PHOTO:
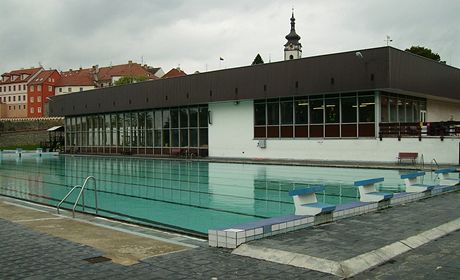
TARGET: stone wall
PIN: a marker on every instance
(23, 133)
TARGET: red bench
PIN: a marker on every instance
(407, 156)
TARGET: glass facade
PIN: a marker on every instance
(401, 108)
(166, 131)
(346, 115)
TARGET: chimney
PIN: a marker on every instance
(130, 62)
(96, 69)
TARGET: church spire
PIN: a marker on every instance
(293, 48)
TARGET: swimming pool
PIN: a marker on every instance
(191, 196)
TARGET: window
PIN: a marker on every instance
(287, 111)
(60, 89)
(1, 89)
(349, 112)
(332, 112)
(14, 98)
(39, 88)
(14, 88)
(316, 111)
(31, 110)
(24, 87)
(69, 89)
(39, 99)
(39, 109)
(50, 88)
(366, 109)
(273, 112)
(9, 98)
(81, 89)
(273, 118)
(31, 99)
(259, 113)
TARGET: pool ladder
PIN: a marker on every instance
(80, 194)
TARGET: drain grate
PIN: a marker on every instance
(97, 259)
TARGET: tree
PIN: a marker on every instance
(129, 80)
(258, 60)
(425, 52)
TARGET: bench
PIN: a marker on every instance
(368, 192)
(445, 179)
(411, 182)
(306, 203)
(407, 156)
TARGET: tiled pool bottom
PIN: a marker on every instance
(239, 234)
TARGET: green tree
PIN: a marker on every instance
(425, 52)
(258, 60)
(129, 80)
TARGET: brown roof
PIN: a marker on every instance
(42, 77)
(30, 72)
(81, 77)
(175, 72)
(130, 69)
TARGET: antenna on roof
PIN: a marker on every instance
(388, 40)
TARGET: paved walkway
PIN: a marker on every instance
(30, 254)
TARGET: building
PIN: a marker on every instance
(107, 76)
(156, 71)
(292, 48)
(40, 89)
(98, 77)
(328, 107)
(13, 92)
(174, 72)
(75, 81)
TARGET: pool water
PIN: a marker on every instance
(191, 196)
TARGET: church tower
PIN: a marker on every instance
(292, 49)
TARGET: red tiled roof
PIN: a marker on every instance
(175, 72)
(30, 72)
(130, 69)
(81, 77)
(42, 77)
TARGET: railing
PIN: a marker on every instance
(80, 195)
(428, 129)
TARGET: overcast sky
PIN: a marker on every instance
(65, 34)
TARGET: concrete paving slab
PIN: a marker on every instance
(121, 247)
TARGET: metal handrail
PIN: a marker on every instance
(80, 194)
(431, 164)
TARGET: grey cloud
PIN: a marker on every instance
(70, 33)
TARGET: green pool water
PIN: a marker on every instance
(191, 196)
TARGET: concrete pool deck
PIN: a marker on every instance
(31, 254)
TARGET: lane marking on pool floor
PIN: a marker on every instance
(354, 265)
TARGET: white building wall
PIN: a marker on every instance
(231, 135)
(442, 111)
(71, 89)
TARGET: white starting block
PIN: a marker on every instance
(368, 192)
(306, 203)
(445, 179)
(411, 182)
